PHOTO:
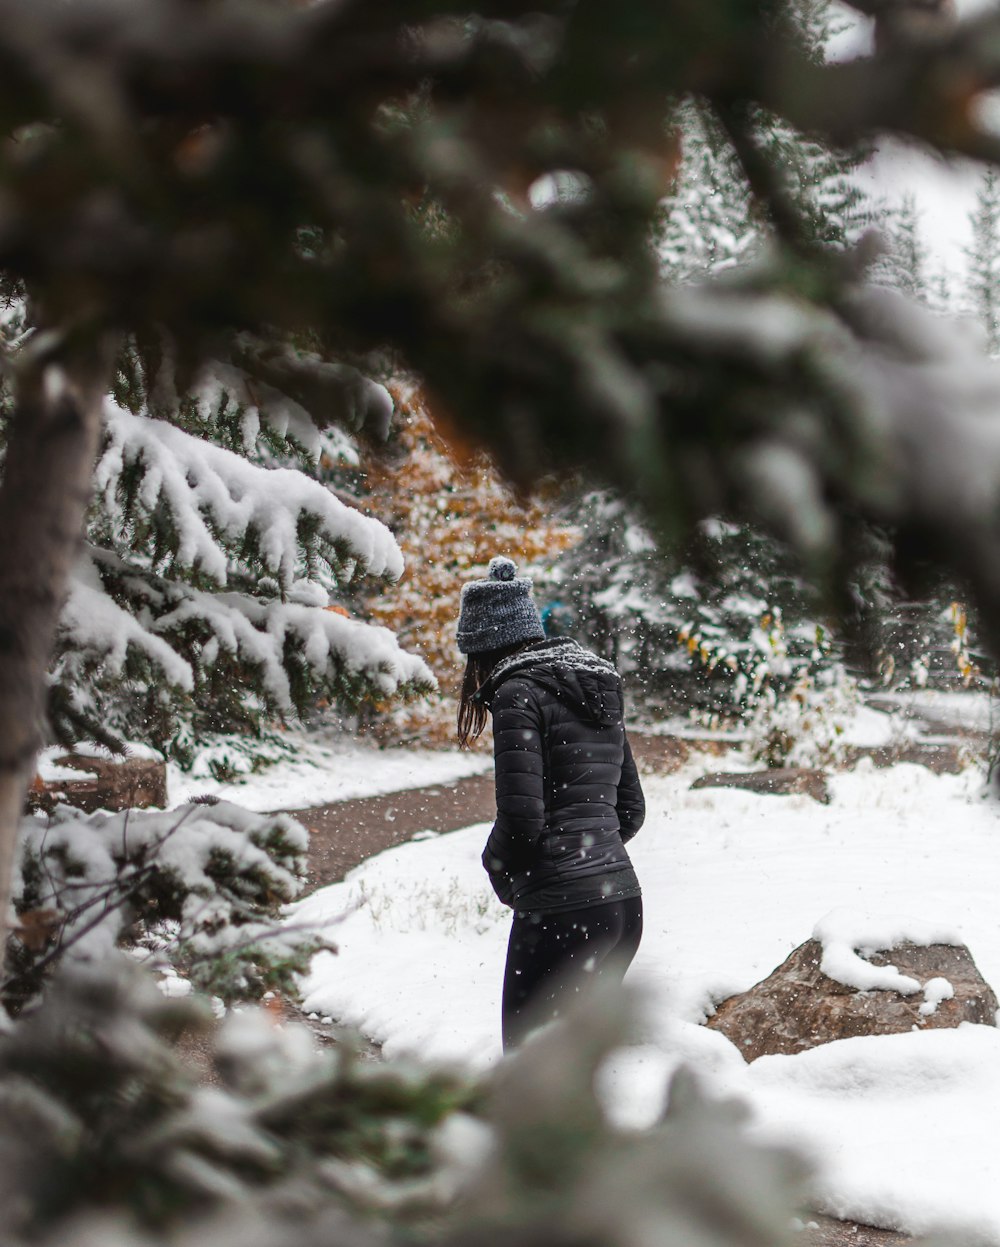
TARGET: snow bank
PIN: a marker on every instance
(436, 933)
(903, 1127)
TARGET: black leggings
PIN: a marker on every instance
(548, 952)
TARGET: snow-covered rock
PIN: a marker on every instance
(798, 1006)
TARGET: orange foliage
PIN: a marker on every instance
(451, 514)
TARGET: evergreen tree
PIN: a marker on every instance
(903, 267)
(681, 620)
(984, 259)
(907, 631)
(705, 223)
(206, 597)
(711, 220)
(941, 293)
(685, 624)
(634, 608)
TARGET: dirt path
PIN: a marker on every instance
(346, 833)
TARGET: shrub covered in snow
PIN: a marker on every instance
(108, 1139)
(104, 1116)
(727, 628)
(685, 625)
(803, 723)
(198, 888)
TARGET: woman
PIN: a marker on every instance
(568, 798)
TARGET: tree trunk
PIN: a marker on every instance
(46, 487)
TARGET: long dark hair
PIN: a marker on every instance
(472, 710)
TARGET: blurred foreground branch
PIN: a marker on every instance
(110, 1139)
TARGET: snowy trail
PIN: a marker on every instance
(311, 769)
(903, 1129)
(343, 834)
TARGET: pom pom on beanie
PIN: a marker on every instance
(502, 568)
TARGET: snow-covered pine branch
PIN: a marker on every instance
(201, 885)
(96, 627)
(231, 656)
(203, 595)
(241, 408)
(113, 609)
(204, 507)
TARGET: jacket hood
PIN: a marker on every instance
(589, 685)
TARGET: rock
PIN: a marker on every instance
(780, 780)
(799, 1007)
(943, 757)
(105, 784)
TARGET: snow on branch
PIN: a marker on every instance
(93, 623)
(209, 498)
(202, 884)
(115, 612)
(339, 652)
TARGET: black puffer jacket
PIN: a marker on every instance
(568, 794)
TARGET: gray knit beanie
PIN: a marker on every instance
(499, 611)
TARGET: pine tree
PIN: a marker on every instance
(206, 596)
(710, 220)
(984, 259)
(704, 224)
(680, 620)
(630, 608)
(903, 266)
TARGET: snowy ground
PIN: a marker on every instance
(311, 768)
(903, 1128)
